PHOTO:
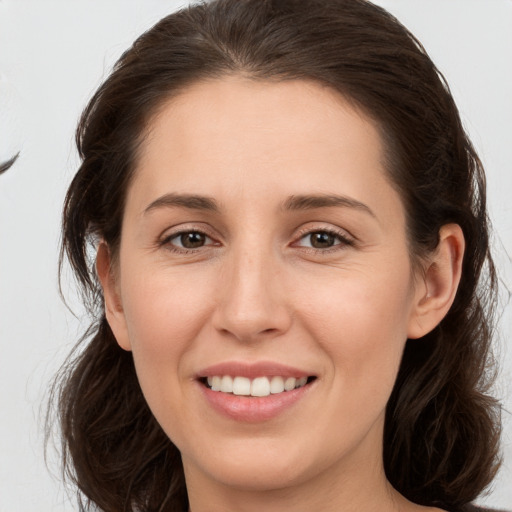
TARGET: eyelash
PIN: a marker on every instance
(166, 241)
(342, 239)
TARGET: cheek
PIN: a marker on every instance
(361, 321)
(164, 313)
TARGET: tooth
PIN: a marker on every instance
(289, 383)
(301, 382)
(241, 386)
(216, 382)
(226, 384)
(277, 385)
(260, 387)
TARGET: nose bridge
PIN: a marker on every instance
(251, 302)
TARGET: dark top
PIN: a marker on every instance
(474, 508)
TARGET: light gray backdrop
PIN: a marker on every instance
(53, 55)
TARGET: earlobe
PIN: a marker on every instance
(113, 305)
(438, 287)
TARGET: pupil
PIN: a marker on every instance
(192, 240)
(322, 240)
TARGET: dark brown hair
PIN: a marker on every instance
(441, 431)
(4, 166)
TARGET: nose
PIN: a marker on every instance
(251, 303)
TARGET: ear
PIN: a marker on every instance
(436, 288)
(113, 306)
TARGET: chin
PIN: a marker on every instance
(259, 476)
(258, 464)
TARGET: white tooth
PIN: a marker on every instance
(260, 387)
(277, 385)
(301, 382)
(209, 380)
(241, 386)
(226, 384)
(216, 382)
(289, 383)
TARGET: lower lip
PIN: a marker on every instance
(253, 409)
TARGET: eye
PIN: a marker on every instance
(323, 239)
(187, 240)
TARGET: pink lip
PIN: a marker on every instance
(252, 370)
(252, 409)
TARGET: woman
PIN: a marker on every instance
(280, 226)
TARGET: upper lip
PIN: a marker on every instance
(252, 370)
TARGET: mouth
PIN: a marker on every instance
(253, 392)
(262, 386)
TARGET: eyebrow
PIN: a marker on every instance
(311, 202)
(293, 203)
(190, 201)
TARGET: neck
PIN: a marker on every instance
(304, 499)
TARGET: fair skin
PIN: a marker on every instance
(259, 267)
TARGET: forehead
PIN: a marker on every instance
(239, 137)
(251, 112)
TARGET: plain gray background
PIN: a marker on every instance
(53, 55)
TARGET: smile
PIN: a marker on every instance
(254, 392)
(258, 387)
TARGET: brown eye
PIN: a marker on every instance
(192, 239)
(322, 240)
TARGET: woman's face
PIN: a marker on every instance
(263, 244)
